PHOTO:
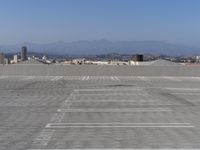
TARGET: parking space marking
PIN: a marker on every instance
(73, 98)
(183, 89)
(61, 127)
(28, 78)
(3, 77)
(104, 89)
(112, 78)
(72, 77)
(56, 78)
(190, 78)
(143, 78)
(118, 125)
(88, 78)
(149, 78)
(46, 134)
(91, 110)
(83, 78)
(116, 78)
(189, 94)
(43, 138)
(112, 100)
(111, 94)
(114, 149)
(172, 78)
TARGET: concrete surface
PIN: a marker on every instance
(99, 112)
(97, 70)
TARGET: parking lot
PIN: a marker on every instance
(63, 112)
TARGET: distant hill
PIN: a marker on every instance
(105, 47)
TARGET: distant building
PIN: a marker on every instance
(6, 61)
(137, 58)
(118, 63)
(24, 53)
(78, 61)
(99, 62)
(197, 59)
(135, 63)
(1, 58)
(44, 58)
(15, 59)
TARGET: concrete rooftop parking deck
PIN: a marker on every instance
(116, 111)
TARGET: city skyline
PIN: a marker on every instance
(174, 21)
(94, 47)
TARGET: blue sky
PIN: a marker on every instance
(45, 21)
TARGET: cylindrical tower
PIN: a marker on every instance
(24, 53)
(1, 58)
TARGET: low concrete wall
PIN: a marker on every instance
(93, 70)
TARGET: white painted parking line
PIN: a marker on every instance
(99, 77)
(184, 89)
(110, 94)
(112, 100)
(28, 78)
(193, 100)
(120, 149)
(126, 77)
(172, 78)
(128, 89)
(3, 77)
(66, 103)
(88, 78)
(116, 78)
(46, 134)
(56, 78)
(91, 110)
(83, 78)
(189, 78)
(73, 78)
(43, 138)
(189, 94)
(118, 125)
(112, 78)
(142, 78)
(61, 127)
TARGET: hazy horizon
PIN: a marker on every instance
(105, 46)
(47, 21)
(103, 39)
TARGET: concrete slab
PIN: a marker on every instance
(101, 112)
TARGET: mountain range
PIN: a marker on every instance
(105, 47)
